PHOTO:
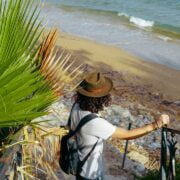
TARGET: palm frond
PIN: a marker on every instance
(24, 94)
(31, 76)
(58, 71)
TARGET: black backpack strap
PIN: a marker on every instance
(69, 119)
(81, 164)
(82, 122)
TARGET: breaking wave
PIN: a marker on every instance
(142, 23)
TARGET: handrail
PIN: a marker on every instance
(175, 131)
(126, 147)
(168, 144)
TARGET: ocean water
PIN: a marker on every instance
(149, 29)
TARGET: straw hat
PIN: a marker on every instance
(95, 85)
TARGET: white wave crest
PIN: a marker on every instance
(141, 22)
(123, 14)
(164, 38)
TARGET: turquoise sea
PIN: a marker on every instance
(147, 28)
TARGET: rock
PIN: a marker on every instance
(157, 95)
(154, 145)
(166, 102)
(134, 155)
(115, 121)
(110, 177)
(118, 110)
(140, 168)
(113, 161)
(177, 102)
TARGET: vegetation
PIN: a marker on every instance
(24, 95)
(155, 174)
(32, 77)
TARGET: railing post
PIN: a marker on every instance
(163, 168)
(168, 143)
(172, 152)
(126, 146)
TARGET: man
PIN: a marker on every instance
(92, 96)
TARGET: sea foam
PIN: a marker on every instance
(141, 22)
(164, 38)
(123, 14)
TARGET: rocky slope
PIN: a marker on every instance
(143, 153)
(131, 103)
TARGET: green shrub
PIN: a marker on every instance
(154, 175)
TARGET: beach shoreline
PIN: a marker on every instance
(163, 79)
(141, 37)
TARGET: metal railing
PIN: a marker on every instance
(168, 154)
(126, 148)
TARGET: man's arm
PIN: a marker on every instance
(138, 132)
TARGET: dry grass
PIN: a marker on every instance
(41, 152)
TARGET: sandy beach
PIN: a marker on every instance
(137, 71)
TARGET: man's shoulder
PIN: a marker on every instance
(97, 121)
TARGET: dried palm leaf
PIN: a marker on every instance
(58, 71)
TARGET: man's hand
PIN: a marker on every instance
(162, 120)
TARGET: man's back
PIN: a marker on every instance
(95, 130)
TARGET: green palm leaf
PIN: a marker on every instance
(24, 94)
(32, 76)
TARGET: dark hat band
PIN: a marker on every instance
(98, 90)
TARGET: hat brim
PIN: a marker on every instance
(106, 89)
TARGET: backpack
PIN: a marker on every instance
(69, 160)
